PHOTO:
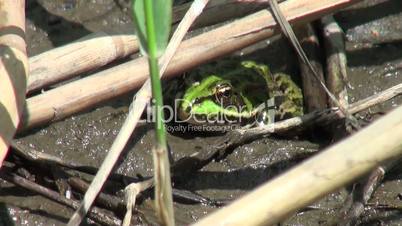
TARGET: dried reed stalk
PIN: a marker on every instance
(13, 70)
(87, 53)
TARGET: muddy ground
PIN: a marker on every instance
(374, 51)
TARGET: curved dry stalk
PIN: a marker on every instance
(131, 192)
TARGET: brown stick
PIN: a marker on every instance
(95, 213)
(336, 60)
(360, 196)
(87, 92)
(376, 98)
(13, 70)
(314, 96)
(107, 201)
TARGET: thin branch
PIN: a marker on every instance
(95, 213)
(107, 201)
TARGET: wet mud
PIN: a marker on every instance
(373, 36)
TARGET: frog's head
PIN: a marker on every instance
(213, 97)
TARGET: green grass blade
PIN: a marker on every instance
(162, 11)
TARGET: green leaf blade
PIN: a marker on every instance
(162, 11)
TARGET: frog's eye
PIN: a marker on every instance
(223, 91)
(226, 93)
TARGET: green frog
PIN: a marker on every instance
(242, 95)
